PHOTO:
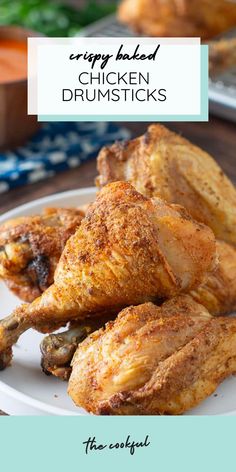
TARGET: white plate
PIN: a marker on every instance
(25, 389)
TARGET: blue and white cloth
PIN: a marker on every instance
(54, 148)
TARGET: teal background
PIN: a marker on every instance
(203, 116)
(177, 443)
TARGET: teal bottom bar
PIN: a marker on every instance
(176, 444)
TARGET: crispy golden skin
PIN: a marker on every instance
(204, 18)
(127, 250)
(218, 292)
(30, 248)
(154, 360)
(162, 163)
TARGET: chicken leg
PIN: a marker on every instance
(127, 250)
(31, 246)
(154, 360)
(217, 294)
(162, 163)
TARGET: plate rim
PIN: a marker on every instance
(40, 201)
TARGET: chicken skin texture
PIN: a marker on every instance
(30, 248)
(162, 163)
(218, 292)
(204, 18)
(154, 360)
(128, 249)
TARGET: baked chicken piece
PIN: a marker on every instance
(30, 248)
(162, 163)
(204, 18)
(128, 249)
(217, 294)
(154, 360)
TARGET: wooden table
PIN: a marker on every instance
(217, 137)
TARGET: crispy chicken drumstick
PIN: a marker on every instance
(127, 250)
(217, 294)
(162, 163)
(154, 360)
(30, 248)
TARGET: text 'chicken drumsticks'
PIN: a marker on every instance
(127, 250)
(154, 360)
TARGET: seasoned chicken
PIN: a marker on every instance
(30, 248)
(204, 18)
(218, 292)
(154, 360)
(162, 163)
(127, 250)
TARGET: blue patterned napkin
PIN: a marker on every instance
(56, 147)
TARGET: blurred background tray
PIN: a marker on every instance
(222, 89)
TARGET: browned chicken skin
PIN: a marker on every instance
(217, 294)
(204, 18)
(162, 163)
(30, 248)
(154, 360)
(127, 250)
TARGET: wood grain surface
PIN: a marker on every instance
(218, 137)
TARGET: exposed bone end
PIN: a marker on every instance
(62, 373)
(11, 328)
(8, 332)
(58, 349)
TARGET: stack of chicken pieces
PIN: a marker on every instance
(146, 277)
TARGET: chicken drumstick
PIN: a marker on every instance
(154, 360)
(30, 248)
(163, 164)
(127, 250)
